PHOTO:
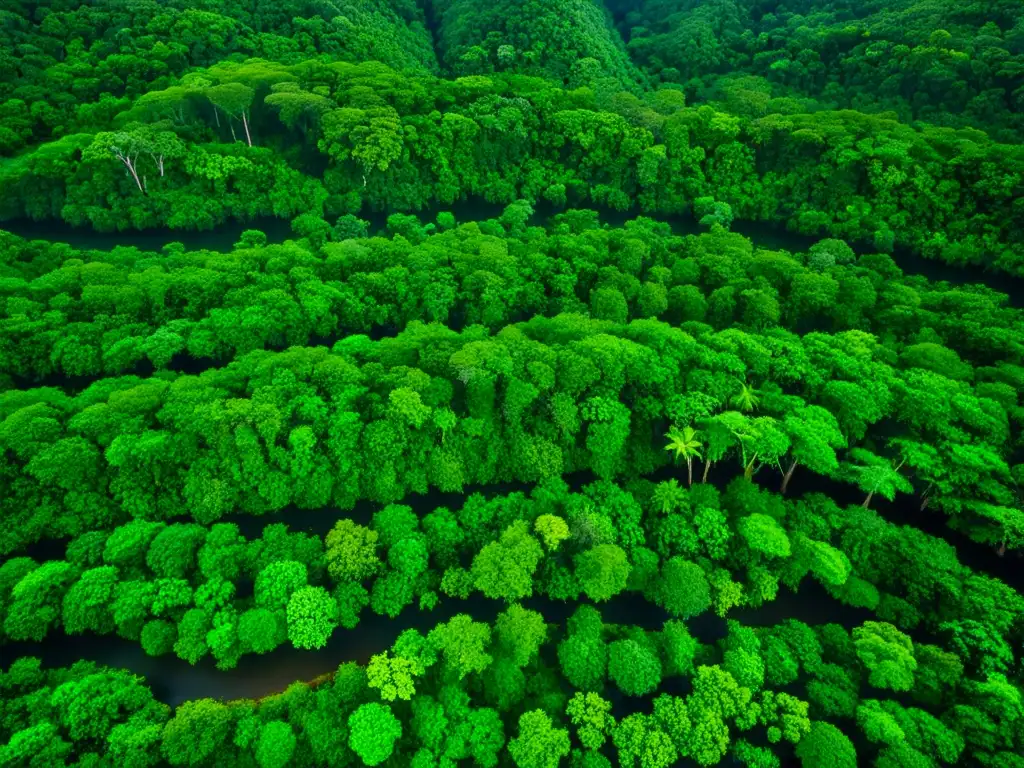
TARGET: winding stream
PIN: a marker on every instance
(763, 234)
(174, 680)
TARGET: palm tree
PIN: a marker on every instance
(683, 442)
(746, 399)
(668, 495)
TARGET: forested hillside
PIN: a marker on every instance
(566, 40)
(954, 64)
(540, 384)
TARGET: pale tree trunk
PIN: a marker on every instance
(231, 125)
(689, 472)
(129, 163)
(216, 116)
(867, 501)
(707, 466)
(748, 471)
(245, 122)
(786, 477)
(158, 161)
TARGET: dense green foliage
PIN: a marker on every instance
(68, 67)
(542, 448)
(957, 64)
(564, 40)
(960, 703)
(433, 407)
(404, 141)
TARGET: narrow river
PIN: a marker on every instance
(174, 680)
(763, 234)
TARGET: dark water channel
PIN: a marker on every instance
(763, 234)
(174, 680)
(770, 236)
(223, 237)
(904, 510)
